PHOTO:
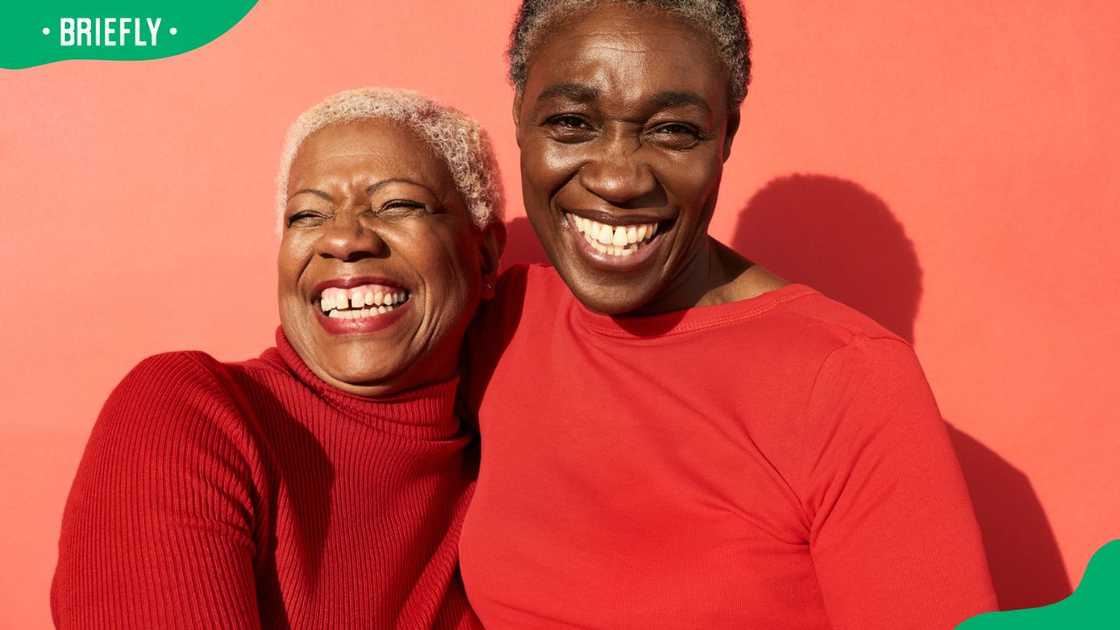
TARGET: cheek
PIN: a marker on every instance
(290, 261)
(693, 183)
(446, 261)
(545, 165)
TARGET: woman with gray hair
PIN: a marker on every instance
(322, 484)
(712, 447)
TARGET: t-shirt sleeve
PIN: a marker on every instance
(893, 536)
(157, 531)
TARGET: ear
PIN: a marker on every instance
(733, 119)
(492, 243)
(516, 113)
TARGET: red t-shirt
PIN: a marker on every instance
(777, 462)
(248, 495)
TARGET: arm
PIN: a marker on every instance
(158, 528)
(894, 540)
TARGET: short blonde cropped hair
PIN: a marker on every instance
(457, 139)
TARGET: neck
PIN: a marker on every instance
(705, 280)
(431, 369)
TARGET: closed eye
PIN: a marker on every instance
(402, 208)
(306, 218)
(677, 136)
(569, 127)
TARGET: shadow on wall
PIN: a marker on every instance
(522, 246)
(844, 241)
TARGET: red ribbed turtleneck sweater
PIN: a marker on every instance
(253, 494)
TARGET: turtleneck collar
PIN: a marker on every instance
(431, 406)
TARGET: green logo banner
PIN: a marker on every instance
(1095, 603)
(35, 32)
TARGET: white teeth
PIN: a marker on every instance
(359, 302)
(621, 240)
(604, 234)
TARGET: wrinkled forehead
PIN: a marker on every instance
(619, 46)
(377, 148)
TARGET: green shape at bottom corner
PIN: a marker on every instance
(1095, 603)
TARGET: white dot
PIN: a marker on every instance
(173, 31)
(46, 30)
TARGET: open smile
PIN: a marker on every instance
(618, 245)
(358, 305)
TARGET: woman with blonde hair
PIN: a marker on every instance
(323, 483)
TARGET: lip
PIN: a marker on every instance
(604, 262)
(365, 325)
(354, 281)
(615, 218)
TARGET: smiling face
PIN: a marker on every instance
(624, 125)
(380, 265)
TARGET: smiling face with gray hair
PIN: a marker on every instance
(390, 238)
(626, 111)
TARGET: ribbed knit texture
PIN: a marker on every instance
(248, 495)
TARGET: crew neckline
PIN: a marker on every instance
(687, 320)
(431, 407)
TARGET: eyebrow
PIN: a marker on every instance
(571, 91)
(396, 180)
(317, 193)
(670, 99)
(369, 190)
(586, 94)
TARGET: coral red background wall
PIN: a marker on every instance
(949, 167)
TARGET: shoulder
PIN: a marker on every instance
(792, 333)
(163, 381)
(873, 363)
(823, 316)
(856, 371)
(521, 282)
(852, 344)
(872, 388)
(173, 402)
(171, 453)
(187, 366)
(522, 290)
(524, 294)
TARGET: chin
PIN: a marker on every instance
(606, 305)
(364, 376)
(360, 368)
(618, 300)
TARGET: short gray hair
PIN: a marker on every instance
(456, 138)
(722, 20)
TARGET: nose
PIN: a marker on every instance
(349, 238)
(617, 174)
